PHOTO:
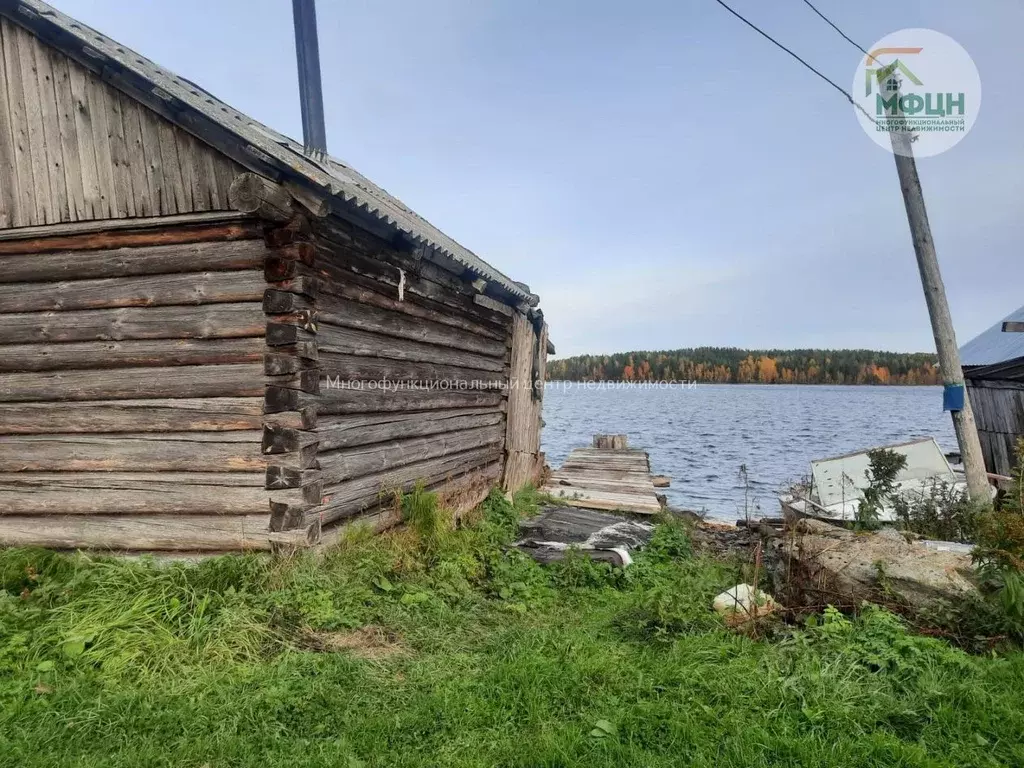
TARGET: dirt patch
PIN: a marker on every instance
(369, 642)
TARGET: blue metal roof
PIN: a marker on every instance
(995, 345)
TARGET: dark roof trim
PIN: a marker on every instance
(1009, 370)
(248, 142)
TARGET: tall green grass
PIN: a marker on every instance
(496, 661)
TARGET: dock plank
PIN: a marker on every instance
(606, 479)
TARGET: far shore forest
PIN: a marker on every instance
(727, 365)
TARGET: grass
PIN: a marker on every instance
(434, 647)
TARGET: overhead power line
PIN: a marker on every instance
(837, 29)
(775, 42)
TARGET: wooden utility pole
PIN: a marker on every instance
(938, 309)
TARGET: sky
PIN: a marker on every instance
(659, 174)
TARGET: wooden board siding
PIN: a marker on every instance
(73, 148)
(999, 412)
(413, 377)
(526, 392)
(132, 391)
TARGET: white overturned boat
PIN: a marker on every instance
(837, 484)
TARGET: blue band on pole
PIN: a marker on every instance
(953, 397)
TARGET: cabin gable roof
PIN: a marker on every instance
(245, 140)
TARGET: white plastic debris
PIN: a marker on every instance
(743, 603)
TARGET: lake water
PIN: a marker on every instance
(699, 437)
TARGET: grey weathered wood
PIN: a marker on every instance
(340, 370)
(615, 442)
(217, 533)
(10, 203)
(370, 292)
(178, 223)
(351, 341)
(350, 430)
(117, 354)
(120, 157)
(128, 493)
(207, 321)
(151, 260)
(334, 400)
(242, 380)
(138, 291)
(252, 193)
(142, 452)
(1013, 327)
(493, 304)
(178, 415)
(348, 463)
(86, 156)
(54, 157)
(353, 314)
(96, 93)
(36, 137)
(21, 198)
(353, 496)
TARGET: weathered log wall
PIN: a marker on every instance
(72, 148)
(412, 374)
(132, 387)
(999, 411)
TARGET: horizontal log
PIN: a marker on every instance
(277, 439)
(350, 341)
(353, 496)
(128, 233)
(183, 415)
(339, 370)
(124, 262)
(351, 314)
(277, 302)
(349, 463)
(125, 493)
(141, 452)
(300, 419)
(252, 193)
(116, 354)
(143, 533)
(343, 400)
(303, 285)
(346, 431)
(241, 380)
(290, 359)
(208, 321)
(141, 291)
(332, 270)
(299, 328)
(458, 494)
(382, 295)
(282, 476)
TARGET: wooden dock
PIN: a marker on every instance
(614, 478)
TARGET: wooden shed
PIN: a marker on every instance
(212, 340)
(994, 369)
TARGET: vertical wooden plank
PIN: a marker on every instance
(138, 166)
(160, 196)
(226, 171)
(188, 158)
(54, 158)
(10, 199)
(173, 182)
(124, 188)
(35, 143)
(96, 92)
(93, 206)
(211, 179)
(68, 137)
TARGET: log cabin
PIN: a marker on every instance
(993, 364)
(214, 339)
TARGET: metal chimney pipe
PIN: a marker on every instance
(311, 95)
